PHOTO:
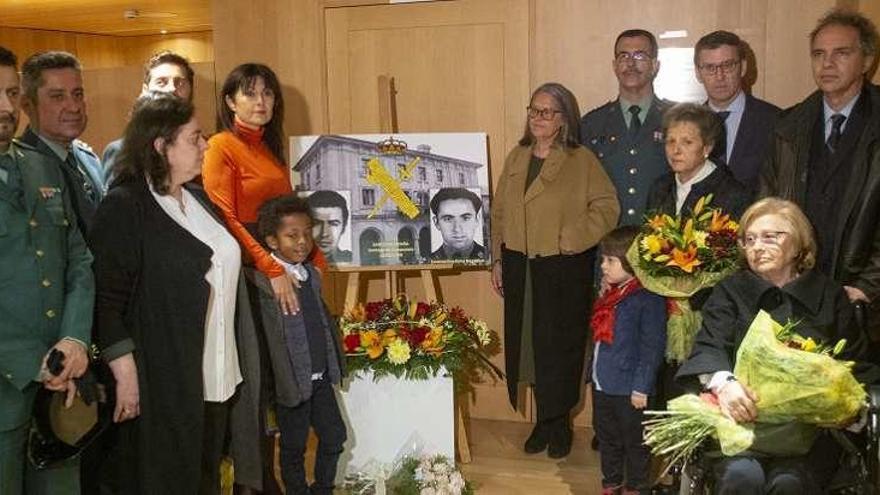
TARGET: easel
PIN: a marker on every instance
(388, 124)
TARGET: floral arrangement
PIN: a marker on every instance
(677, 257)
(799, 386)
(415, 340)
(428, 475)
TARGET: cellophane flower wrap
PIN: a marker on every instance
(676, 257)
(799, 385)
(412, 475)
(416, 340)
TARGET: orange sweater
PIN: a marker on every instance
(240, 174)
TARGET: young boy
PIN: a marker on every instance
(629, 332)
(303, 349)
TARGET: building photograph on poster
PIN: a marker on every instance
(406, 199)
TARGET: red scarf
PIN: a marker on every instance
(602, 321)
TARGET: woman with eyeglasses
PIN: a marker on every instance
(780, 251)
(552, 205)
(691, 131)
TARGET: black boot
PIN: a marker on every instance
(560, 439)
(538, 440)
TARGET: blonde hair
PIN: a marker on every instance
(801, 230)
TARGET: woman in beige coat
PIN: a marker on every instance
(552, 205)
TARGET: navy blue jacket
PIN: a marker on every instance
(631, 362)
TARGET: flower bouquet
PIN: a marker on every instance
(427, 475)
(678, 256)
(799, 385)
(415, 340)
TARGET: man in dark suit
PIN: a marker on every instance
(330, 213)
(54, 101)
(625, 134)
(825, 156)
(720, 62)
(454, 212)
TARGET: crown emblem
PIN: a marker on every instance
(391, 146)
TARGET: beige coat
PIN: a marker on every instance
(566, 210)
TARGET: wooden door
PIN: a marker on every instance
(458, 66)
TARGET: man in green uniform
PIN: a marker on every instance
(46, 295)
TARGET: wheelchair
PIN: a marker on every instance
(858, 472)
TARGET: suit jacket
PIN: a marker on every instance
(568, 207)
(855, 258)
(728, 194)
(631, 362)
(47, 289)
(632, 163)
(91, 165)
(752, 141)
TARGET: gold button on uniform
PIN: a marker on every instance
(46, 282)
(633, 171)
(631, 190)
(40, 253)
(633, 151)
(630, 211)
(50, 313)
(33, 223)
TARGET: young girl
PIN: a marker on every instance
(629, 332)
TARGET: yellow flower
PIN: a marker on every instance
(719, 222)
(372, 343)
(433, 342)
(398, 351)
(686, 260)
(688, 234)
(700, 238)
(388, 336)
(440, 318)
(657, 222)
(652, 243)
(357, 313)
(809, 345)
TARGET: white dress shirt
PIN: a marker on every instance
(682, 189)
(731, 124)
(828, 112)
(220, 370)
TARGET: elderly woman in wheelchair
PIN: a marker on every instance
(780, 251)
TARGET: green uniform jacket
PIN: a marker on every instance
(47, 289)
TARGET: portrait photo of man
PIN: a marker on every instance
(331, 224)
(456, 217)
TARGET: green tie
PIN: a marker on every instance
(13, 176)
(83, 178)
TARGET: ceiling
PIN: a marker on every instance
(107, 16)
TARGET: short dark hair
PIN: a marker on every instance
(617, 242)
(271, 213)
(717, 39)
(33, 67)
(243, 78)
(168, 57)
(868, 36)
(701, 116)
(448, 193)
(155, 115)
(7, 58)
(636, 33)
(569, 135)
(329, 199)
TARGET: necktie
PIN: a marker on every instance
(634, 124)
(719, 152)
(13, 177)
(82, 178)
(834, 138)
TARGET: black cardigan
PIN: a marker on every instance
(727, 194)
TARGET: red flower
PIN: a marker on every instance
(352, 342)
(414, 336)
(374, 310)
(422, 309)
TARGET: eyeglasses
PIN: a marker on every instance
(636, 56)
(726, 67)
(544, 113)
(772, 238)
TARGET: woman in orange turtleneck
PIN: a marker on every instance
(244, 166)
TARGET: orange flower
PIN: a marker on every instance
(686, 260)
(719, 221)
(372, 343)
(357, 313)
(657, 222)
(433, 342)
(388, 337)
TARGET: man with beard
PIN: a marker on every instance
(46, 297)
(54, 101)
(721, 64)
(625, 134)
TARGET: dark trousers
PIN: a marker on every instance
(320, 412)
(772, 476)
(214, 440)
(619, 428)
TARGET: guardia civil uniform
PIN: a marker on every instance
(46, 294)
(633, 159)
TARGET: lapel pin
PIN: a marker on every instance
(48, 192)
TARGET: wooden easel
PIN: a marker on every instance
(388, 124)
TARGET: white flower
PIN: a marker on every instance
(484, 335)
